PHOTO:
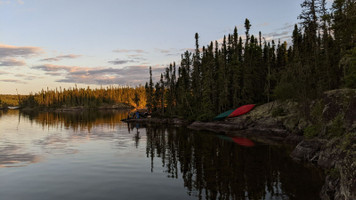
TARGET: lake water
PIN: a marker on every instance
(93, 155)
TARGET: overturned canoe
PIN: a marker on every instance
(223, 115)
(242, 110)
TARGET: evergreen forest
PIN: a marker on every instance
(86, 97)
(250, 70)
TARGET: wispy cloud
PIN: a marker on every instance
(286, 26)
(105, 76)
(58, 58)
(27, 77)
(132, 56)
(263, 24)
(170, 52)
(3, 72)
(277, 34)
(4, 2)
(55, 68)
(129, 51)
(173, 54)
(131, 75)
(12, 62)
(136, 57)
(16, 51)
(121, 62)
(164, 51)
(12, 81)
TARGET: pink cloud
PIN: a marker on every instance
(17, 51)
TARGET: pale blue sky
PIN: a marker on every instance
(52, 43)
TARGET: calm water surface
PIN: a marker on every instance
(93, 155)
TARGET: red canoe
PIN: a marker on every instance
(242, 110)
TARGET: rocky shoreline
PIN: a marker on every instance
(279, 122)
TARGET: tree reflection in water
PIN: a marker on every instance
(213, 168)
(79, 120)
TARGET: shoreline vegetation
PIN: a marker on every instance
(81, 98)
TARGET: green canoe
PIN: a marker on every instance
(223, 115)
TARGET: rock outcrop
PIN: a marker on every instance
(274, 121)
(334, 147)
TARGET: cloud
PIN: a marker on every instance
(27, 77)
(4, 2)
(282, 36)
(286, 26)
(129, 51)
(132, 75)
(172, 51)
(58, 58)
(263, 24)
(277, 34)
(173, 54)
(131, 58)
(4, 72)
(15, 51)
(12, 62)
(164, 51)
(55, 73)
(20, 2)
(136, 57)
(12, 81)
(120, 62)
(56, 68)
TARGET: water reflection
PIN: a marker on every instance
(215, 168)
(134, 156)
(12, 156)
(23, 143)
(80, 120)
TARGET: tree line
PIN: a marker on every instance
(249, 69)
(86, 97)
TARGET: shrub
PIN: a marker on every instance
(312, 131)
(278, 112)
(337, 127)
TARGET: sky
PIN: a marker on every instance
(63, 43)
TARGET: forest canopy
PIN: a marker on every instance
(219, 77)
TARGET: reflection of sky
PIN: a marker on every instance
(105, 163)
(25, 141)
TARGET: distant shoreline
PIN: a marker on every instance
(79, 108)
